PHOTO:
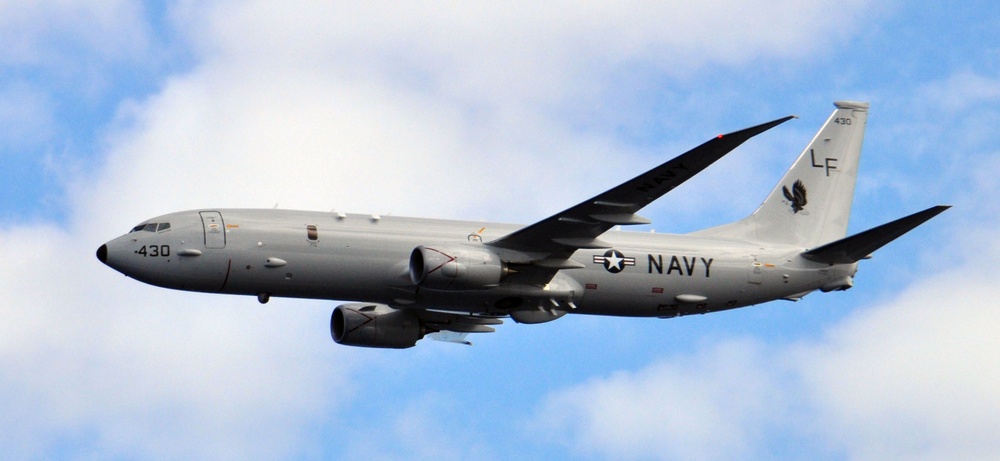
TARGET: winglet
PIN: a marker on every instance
(748, 133)
(856, 247)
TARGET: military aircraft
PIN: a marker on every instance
(411, 277)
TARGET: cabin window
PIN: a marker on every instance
(312, 233)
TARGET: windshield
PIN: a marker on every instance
(151, 227)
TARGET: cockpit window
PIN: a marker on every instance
(151, 227)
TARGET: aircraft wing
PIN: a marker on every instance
(580, 226)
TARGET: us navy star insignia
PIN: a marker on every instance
(614, 261)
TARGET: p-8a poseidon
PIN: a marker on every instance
(411, 277)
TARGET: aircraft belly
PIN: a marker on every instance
(208, 274)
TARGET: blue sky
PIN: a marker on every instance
(115, 112)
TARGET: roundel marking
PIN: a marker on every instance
(614, 261)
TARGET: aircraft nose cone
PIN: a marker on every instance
(102, 254)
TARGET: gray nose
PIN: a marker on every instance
(102, 254)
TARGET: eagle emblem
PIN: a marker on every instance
(797, 195)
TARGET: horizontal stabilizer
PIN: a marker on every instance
(856, 247)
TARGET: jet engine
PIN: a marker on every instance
(455, 267)
(375, 325)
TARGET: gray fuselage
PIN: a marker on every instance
(366, 258)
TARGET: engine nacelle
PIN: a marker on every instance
(456, 267)
(375, 325)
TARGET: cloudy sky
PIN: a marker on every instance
(113, 112)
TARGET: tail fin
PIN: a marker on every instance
(812, 203)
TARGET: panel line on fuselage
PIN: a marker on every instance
(229, 269)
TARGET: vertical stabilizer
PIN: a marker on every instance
(812, 203)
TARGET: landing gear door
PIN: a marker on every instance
(215, 229)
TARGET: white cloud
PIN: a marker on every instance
(429, 427)
(499, 54)
(62, 33)
(26, 115)
(960, 91)
(916, 378)
(397, 109)
(714, 405)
